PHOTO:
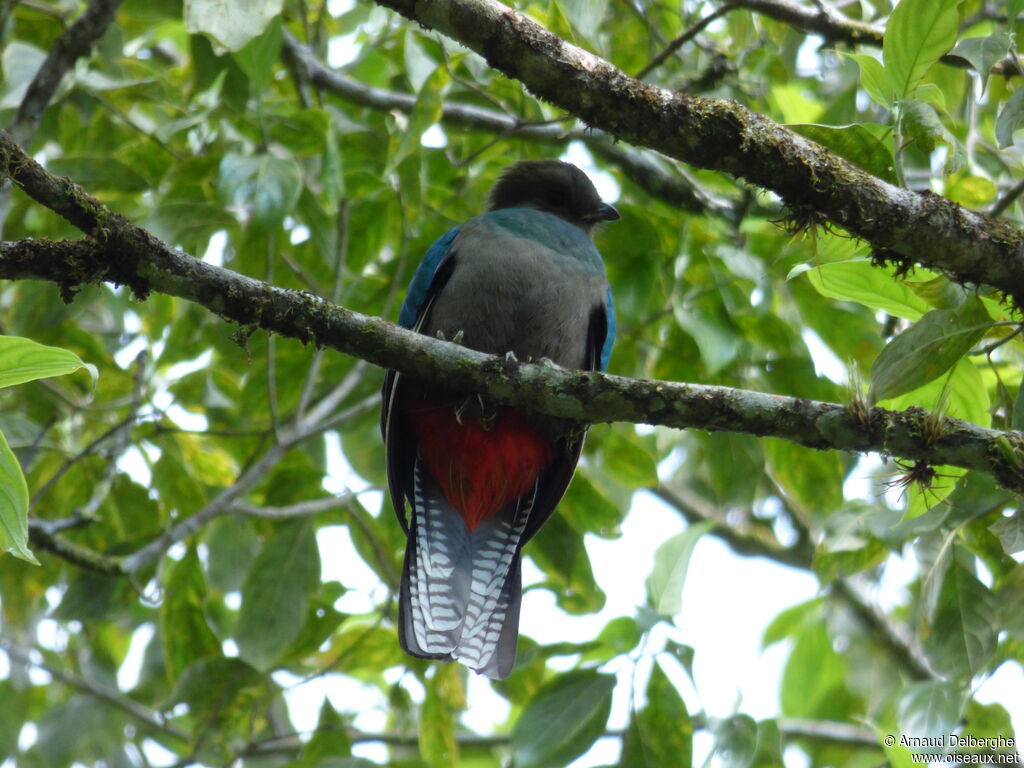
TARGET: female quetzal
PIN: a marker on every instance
(480, 480)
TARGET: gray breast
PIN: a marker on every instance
(509, 293)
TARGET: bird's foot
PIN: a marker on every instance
(510, 357)
(457, 338)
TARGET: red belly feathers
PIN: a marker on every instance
(480, 468)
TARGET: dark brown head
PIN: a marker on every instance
(555, 187)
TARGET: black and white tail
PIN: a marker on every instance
(461, 590)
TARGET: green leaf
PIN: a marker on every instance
(619, 636)
(559, 551)
(276, 593)
(13, 505)
(715, 337)
(230, 23)
(789, 622)
(857, 280)
(735, 741)
(855, 143)
(918, 34)
(929, 709)
(873, 78)
(563, 720)
(626, 461)
(1009, 598)
(1010, 531)
(671, 560)
(211, 687)
(921, 123)
(184, 634)
(1013, 9)
(814, 678)
(419, 66)
(20, 62)
(232, 545)
(928, 349)
(13, 710)
(983, 52)
(24, 360)
(830, 565)
(99, 173)
(329, 741)
(812, 479)
(445, 697)
(1011, 117)
(260, 55)
(961, 639)
(931, 93)
(267, 187)
(661, 733)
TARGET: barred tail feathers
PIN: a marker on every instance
(461, 589)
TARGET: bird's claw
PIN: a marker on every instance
(510, 357)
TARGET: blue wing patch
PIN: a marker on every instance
(419, 286)
(609, 339)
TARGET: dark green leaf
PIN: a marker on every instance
(267, 187)
(922, 125)
(1011, 117)
(559, 551)
(961, 639)
(100, 173)
(276, 593)
(184, 633)
(661, 733)
(983, 52)
(927, 349)
(562, 720)
(260, 55)
(813, 480)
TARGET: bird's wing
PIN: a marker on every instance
(553, 483)
(428, 280)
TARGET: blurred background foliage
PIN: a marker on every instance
(186, 505)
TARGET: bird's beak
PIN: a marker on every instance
(607, 212)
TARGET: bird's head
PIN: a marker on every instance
(555, 187)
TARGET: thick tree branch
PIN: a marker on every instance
(587, 397)
(720, 134)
